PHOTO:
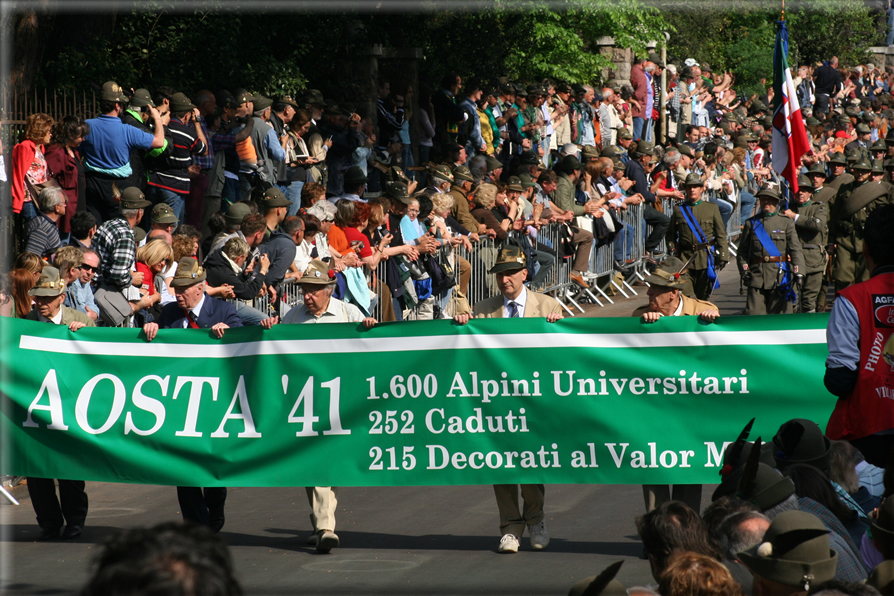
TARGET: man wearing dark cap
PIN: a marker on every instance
(838, 175)
(846, 221)
(107, 149)
(194, 309)
(266, 143)
(169, 176)
(515, 301)
(354, 184)
(137, 114)
(770, 259)
(277, 245)
(812, 225)
(637, 169)
(48, 295)
(472, 126)
(793, 556)
(859, 366)
(697, 236)
(860, 146)
(459, 190)
(568, 171)
(116, 280)
(162, 218)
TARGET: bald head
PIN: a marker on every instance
(163, 234)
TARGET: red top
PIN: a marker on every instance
(870, 406)
(148, 277)
(353, 234)
(26, 162)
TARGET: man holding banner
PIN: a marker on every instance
(516, 301)
(317, 285)
(196, 310)
(48, 294)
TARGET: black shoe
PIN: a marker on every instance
(216, 523)
(71, 532)
(49, 534)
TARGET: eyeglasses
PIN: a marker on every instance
(412, 210)
(86, 267)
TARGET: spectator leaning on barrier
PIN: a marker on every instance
(515, 301)
(80, 291)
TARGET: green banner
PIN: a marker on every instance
(582, 401)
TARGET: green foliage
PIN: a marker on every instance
(753, 62)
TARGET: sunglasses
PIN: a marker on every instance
(86, 267)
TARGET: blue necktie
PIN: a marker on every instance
(513, 310)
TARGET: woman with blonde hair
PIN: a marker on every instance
(29, 165)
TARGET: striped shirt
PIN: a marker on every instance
(43, 235)
(172, 171)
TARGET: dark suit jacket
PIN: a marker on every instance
(213, 311)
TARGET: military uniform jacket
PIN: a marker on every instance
(826, 195)
(839, 181)
(781, 231)
(460, 210)
(812, 228)
(851, 211)
(691, 306)
(681, 238)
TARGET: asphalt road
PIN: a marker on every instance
(418, 540)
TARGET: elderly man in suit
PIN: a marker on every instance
(71, 506)
(194, 309)
(517, 301)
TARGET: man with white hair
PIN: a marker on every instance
(317, 285)
(43, 230)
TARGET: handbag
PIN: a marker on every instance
(36, 189)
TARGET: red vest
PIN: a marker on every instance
(870, 406)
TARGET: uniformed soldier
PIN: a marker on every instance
(769, 258)
(838, 174)
(878, 173)
(793, 555)
(698, 237)
(878, 150)
(822, 193)
(860, 146)
(811, 223)
(853, 206)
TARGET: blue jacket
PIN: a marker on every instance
(213, 311)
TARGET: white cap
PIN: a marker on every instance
(690, 62)
(671, 68)
(569, 149)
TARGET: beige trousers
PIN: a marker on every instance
(323, 501)
(511, 519)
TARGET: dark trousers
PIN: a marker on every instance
(100, 196)
(50, 513)
(204, 506)
(876, 449)
(198, 184)
(659, 222)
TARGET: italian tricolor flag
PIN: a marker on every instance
(789, 135)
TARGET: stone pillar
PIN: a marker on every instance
(619, 72)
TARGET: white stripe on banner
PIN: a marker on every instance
(158, 349)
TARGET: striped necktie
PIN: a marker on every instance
(513, 310)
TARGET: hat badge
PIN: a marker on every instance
(317, 273)
(116, 88)
(765, 549)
